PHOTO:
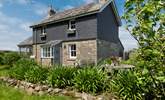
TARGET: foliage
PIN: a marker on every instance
(61, 76)
(145, 20)
(107, 61)
(11, 58)
(104, 61)
(132, 57)
(125, 85)
(36, 74)
(4, 70)
(91, 80)
(1, 60)
(20, 67)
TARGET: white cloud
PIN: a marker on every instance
(40, 9)
(25, 26)
(68, 7)
(89, 1)
(12, 31)
(127, 40)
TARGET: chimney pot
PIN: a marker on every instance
(51, 11)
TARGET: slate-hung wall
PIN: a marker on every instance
(86, 28)
(107, 25)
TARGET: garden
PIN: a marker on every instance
(144, 21)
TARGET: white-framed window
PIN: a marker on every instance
(43, 31)
(47, 52)
(72, 25)
(72, 51)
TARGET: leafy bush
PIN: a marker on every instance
(91, 80)
(1, 60)
(11, 58)
(125, 85)
(149, 33)
(20, 67)
(36, 74)
(61, 76)
(104, 61)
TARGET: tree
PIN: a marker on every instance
(145, 20)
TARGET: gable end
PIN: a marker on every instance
(113, 5)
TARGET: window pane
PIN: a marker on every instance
(43, 52)
(73, 26)
(74, 53)
(52, 52)
(73, 50)
(73, 47)
(48, 51)
(71, 34)
(44, 30)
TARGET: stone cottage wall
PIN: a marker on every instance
(46, 61)
(37, 52)
(86, 52)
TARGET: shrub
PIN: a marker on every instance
(125, 85)
(36, 74)
(1, 60)
(61, 76)
(107, 61)
(91, 80)
(11, 58)
(104, 62)
(20, 67)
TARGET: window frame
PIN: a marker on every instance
(47, 52)
(70, 25)
(72, 51)
(43, 31)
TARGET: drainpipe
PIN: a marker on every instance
(36, 43)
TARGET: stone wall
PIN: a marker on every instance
(86, 52)
(46, 61)
(37, 52)
(106, 49)
(40, 90)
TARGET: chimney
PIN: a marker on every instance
(103, 1)
(51, 11)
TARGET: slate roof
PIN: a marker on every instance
(52, 43)
(75, 12)
(26, 42)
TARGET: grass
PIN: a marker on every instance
(9, 93)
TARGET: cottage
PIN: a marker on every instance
(83, 35)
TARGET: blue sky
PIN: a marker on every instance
(17, 15)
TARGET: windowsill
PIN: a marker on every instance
(47, 57)
(71, 59)
(72, 29)
(42, 35)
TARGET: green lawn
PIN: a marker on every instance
(9, 93)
